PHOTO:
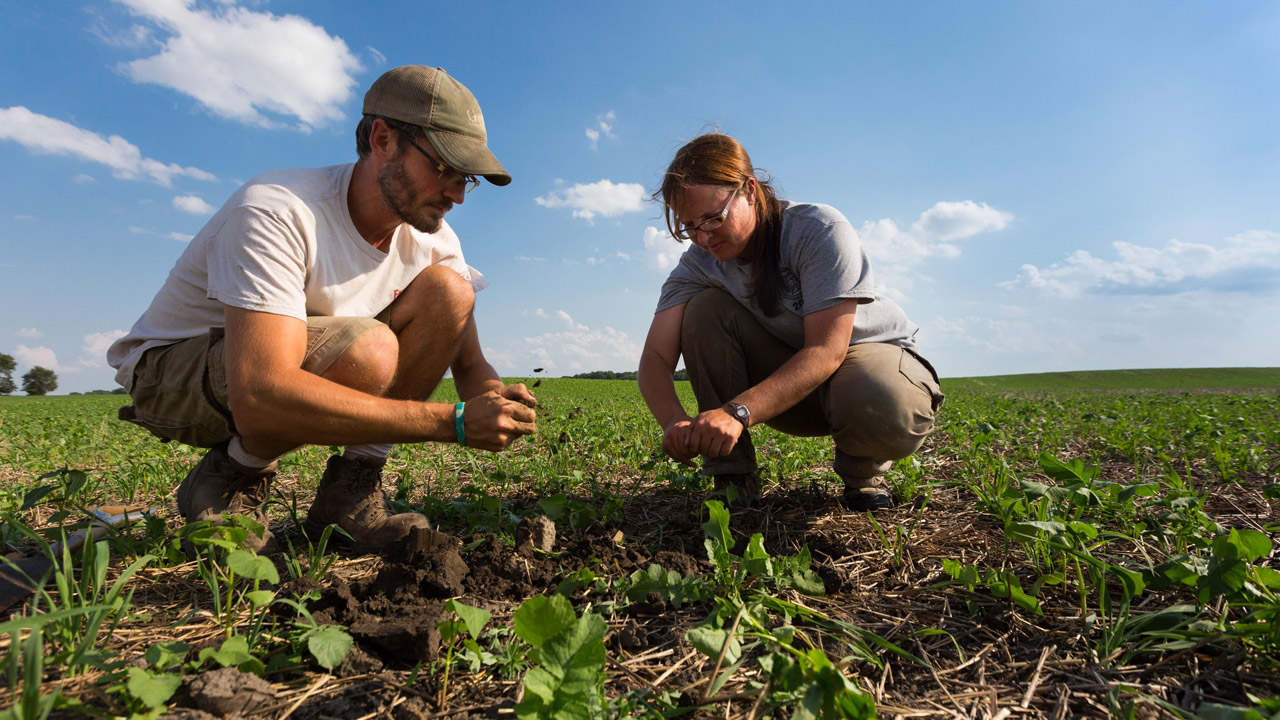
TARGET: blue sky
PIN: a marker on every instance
(1041, 186)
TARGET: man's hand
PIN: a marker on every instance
(714, 433)
(520, 394)
(675, 442)
(492, 422)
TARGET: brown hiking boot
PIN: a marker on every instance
(218, 484)
(741, 489)
(351, 497)
(861, 494)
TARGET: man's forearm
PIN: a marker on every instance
(299, 407)
(477, 380)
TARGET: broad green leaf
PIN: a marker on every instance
(33, 498)
(329, 645)
(253, 566)
(577, 654)
(260, 598)
(808, 583)
(1084, 529)
(709, 641)
(153, 689)
(1225, 577)
(1253, 544)
(165, 655)
(1032, 530)
(1268, 578)
(756, 559)
(717, 527)
(234, 652)
(555, 507)
(542, 617)
(474, 617)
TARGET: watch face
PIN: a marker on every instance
(741, 412)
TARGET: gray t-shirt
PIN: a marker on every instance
(823, 263)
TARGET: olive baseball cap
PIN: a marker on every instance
(446, 111)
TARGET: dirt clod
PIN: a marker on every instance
(539, 532)
(227, 691)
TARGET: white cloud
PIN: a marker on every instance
(578, 348)
(93, 348)
(379, 59)
(29, 333)
(1246, 262)
(83, 179)
(662, 250)
(48, 136)
(526, 258)
(622, 256)
(24, 217)
(245, 65)
(895, 250)
(180, 237)
(947, 221)
(604, 198)
(39, 355)
(193, 205)
(603, 126)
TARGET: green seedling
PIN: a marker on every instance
(472, 621)
(567, 678)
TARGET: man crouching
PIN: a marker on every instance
(322, 307)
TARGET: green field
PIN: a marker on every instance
(1163, 379)
(1065, 545)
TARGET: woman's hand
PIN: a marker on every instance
(675, 442)
(714, 433)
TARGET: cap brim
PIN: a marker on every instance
(468, 155)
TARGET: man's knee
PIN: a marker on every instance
(369, 363)
(437, 290)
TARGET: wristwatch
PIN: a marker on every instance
(739, 413)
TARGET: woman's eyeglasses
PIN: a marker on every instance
(711, 224)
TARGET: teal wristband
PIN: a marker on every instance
(457, 423)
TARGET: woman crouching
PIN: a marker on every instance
(776, 313)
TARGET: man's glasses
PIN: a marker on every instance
(448, 175)
(711, 224)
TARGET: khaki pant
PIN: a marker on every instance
(180, 390)
(877, 407)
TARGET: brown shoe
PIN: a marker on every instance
(351, 497)
(861, 494)
(218, 484)
(741, 489)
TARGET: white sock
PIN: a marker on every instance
(237, 452)
(369, 451)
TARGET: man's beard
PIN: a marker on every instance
(397, 192)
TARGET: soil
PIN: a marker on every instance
(881, 575)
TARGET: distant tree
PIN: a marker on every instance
(606, 375)
(681, 374)
(39, 381)
(7, 366)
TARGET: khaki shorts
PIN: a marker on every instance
(180, 390)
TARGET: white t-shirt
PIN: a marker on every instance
(284, 244)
